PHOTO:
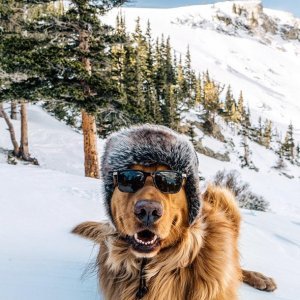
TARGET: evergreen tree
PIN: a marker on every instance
(231, 110)
(298, 153)
(288, 145)
(234, 10)
(159, 71)
(246, 157)
(198, 91)
(241, 108)
(280, 163)
(190, 77)
(259, 131)
(64, 58)
(181, 82)
(117, 59)
(192, 134)
(267, 134)
(151, 100)
(247, 119)
(211, 96)
(149, 55)
(246, 152)
(170, 73)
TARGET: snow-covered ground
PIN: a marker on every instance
(40, 259)
(265, 66)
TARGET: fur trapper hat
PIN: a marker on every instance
(148, 145)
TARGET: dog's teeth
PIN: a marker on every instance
(145, 243)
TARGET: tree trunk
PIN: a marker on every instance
(91, 162)
(24, 150)
(13, 110)
(11, 130)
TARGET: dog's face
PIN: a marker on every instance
(168, 214)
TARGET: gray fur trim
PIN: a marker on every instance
(147, 145)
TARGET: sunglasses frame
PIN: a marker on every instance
(152, 174)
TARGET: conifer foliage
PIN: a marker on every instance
(62, 57)
(109, 78)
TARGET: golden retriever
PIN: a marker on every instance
(165, 240)
(169, 258)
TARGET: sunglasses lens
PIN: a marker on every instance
(168, 182)
(130, 181)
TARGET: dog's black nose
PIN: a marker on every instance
(148, 211)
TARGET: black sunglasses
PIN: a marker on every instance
(130, 181)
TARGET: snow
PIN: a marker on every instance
(39, 206)
(40, 259)
(49, 147)
(266, 72)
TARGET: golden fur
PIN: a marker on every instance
(194, 262)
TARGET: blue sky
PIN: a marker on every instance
(287, 5)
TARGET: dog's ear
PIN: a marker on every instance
(94, 231)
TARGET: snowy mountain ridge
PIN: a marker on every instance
(246, 19)
(265, 71)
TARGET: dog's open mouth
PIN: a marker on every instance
(145, 241)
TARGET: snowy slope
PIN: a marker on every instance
(48, 143)
(270, 183)
(267, 72)
(40, 259)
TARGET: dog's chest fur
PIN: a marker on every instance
(201, 266)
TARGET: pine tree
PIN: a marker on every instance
(288, 145)
(241, 108)
(211, 96)
(228, 100)
(152, 103)
(159, 71)
(192, 134)
(181, 82)
(234, 10)
(280, 163)
(298, 154)
(246, 121)
(149, 54)
(198, 90)
(267, 134)
(246, 157)
(170, 73)
(259, 131)
(189, 75)
(66, 58)
(117, 58)
(246, 161)
(231, 109)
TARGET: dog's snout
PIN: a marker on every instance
(148, 211)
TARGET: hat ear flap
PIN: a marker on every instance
(193, 196)
(194, 209)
